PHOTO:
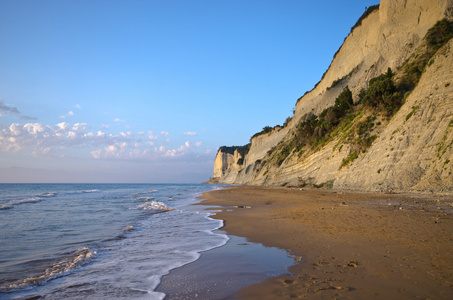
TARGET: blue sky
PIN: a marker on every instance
(146, 91)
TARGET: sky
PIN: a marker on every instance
(147, 91)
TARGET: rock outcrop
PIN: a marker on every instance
(412, 150)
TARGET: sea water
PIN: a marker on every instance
(96, 241)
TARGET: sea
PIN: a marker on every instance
(100, 241)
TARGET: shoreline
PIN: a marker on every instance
(221, 272)
(353, 245)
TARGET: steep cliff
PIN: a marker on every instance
(403, 142)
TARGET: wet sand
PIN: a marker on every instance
(221, 272)
(352, 245)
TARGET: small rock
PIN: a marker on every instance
(352, 263)
(288, 281)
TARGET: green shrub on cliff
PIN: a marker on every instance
(411, 71)
(351, 157)
(315, 131)
(382, 94)
(439, 34)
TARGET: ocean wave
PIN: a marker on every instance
(143, 193)
(60, 268)
(155, 205)
(18, 202)
(5, 206)
(47, 195)
(145, 198)
(34, 199)
(91, 191)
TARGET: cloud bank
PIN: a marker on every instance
(44, 140)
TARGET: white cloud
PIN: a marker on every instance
(34, 128)
(79, 126)
(119, 120)
(69, 114)
(72, 135)
(78, 106)
(62, 126)
(43, 140)
(14, 128)
(164, 133)
(126, 134)
(190, 133)
(96, 153)
(151, 135)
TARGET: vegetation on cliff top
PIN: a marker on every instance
(367, 12)
(266, 129)
(242, 150)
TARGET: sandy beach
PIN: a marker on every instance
(348, 245)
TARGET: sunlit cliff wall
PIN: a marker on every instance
(409, 153)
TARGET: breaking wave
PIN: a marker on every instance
(35, 199)
(47, 195)
(154, 205)
(60, 268)
(145, 198)
(18, 202)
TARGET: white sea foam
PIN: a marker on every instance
(91, 191)
(154, 205)
(162, 243)
(47, 195)
(21, 201)
(58, 269)
(5, 206)
(145, 198)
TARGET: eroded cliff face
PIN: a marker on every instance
(226, 164)
(412, 150)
